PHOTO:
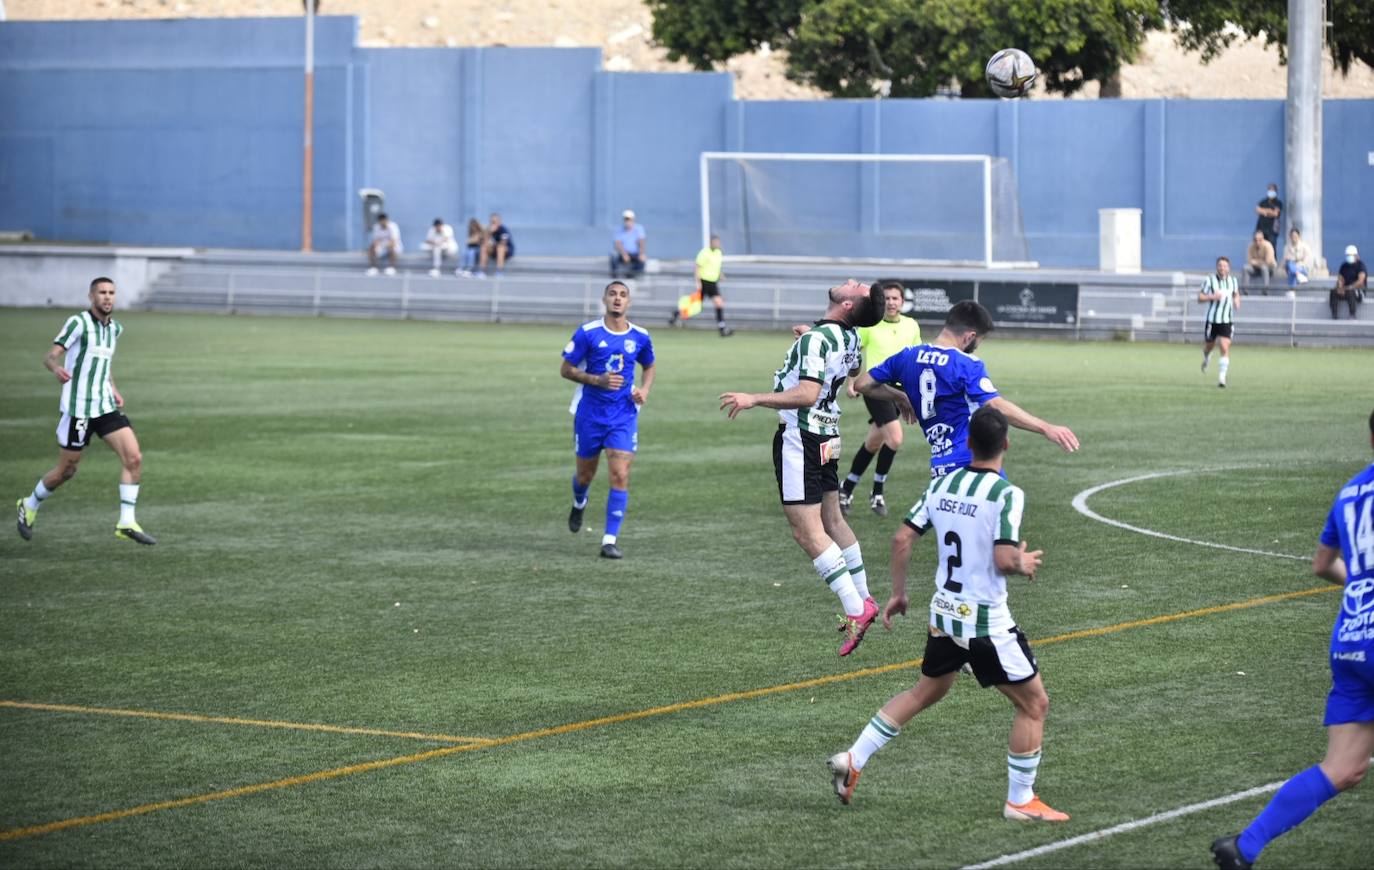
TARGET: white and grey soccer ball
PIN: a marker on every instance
(1011, 73)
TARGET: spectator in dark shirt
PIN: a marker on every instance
(1270, 210)
(1350, 283)
(499, 247)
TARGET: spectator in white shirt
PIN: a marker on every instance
(385, 241)
(1297, 258)
(439, 241)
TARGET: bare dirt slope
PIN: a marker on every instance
(622, 29)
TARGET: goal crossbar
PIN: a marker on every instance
(984, 159)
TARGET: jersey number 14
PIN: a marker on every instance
(1361, 534)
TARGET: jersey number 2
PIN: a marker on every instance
(955, 560)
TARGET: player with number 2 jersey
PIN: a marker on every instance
(976, 518)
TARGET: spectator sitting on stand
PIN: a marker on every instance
(439, 241)
(477, 239)
(385, 241)
(1297, 258)
(631, 249)
(1259, 260)
(499, 247)
(1350, 283)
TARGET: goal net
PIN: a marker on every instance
(960, 209)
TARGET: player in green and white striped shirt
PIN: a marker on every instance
(81, 359)
(976, 515)
(1221, 293)
(806, 448)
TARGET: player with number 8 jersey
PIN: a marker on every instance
(946, 383)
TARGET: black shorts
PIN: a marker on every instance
(709, 288)
(1213, 331)
(798, 463)
(1004, 660)
(74, 433)
(881, 411)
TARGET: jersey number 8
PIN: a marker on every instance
(926, 385)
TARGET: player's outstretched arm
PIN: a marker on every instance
(866, 385)
(1328, 564)
(803, 395)
(1023, 419)
(52, 362)
(1015, 559)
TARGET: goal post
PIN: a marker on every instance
(952, 209)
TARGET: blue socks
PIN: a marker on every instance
(579, 493)
(1294, 802)
(616, 503)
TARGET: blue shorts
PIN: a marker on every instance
(591, 436)
(1352, 688)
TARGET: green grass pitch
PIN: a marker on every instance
(362, 524)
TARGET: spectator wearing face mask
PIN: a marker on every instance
(1270, 210)
(1350, 283)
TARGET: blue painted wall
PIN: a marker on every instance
(189, 132)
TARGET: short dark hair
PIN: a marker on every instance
(968, 316)
(1294, 228)
(438, 222)
(987, 432)
(102, 280)
(1226, 258)
(381, 216)
(893, 285)
(1274, 185)
(612, 284)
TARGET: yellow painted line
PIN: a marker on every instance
(229, 720)
(35, 830)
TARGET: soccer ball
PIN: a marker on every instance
(1011, 73)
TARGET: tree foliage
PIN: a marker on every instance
(911, 48)
(1210, 26)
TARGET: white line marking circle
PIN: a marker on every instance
(1080, 504)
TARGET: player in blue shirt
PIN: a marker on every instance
(601, 358)
(1345, 554)
(946, 384)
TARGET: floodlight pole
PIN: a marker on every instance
(308, 173)
(1302, 139)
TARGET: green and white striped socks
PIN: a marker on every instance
(874, 737)
(855, 560)
(834, 570)
(1021, 770)
(39, 495)
(128, 498)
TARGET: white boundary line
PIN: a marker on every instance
(1127, 826)
(1080, 504)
